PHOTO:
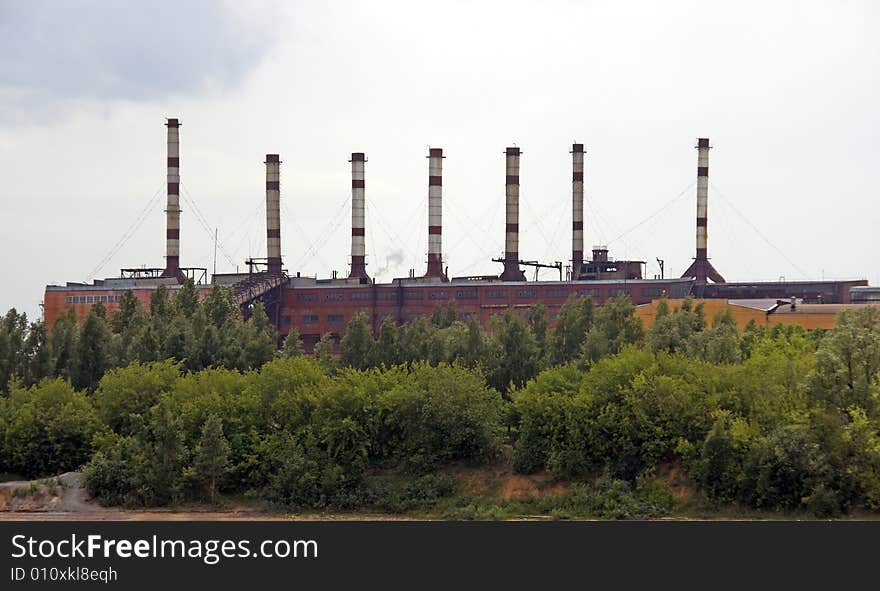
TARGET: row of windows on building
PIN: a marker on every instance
(91, 299)
(471, 294)
(310, 319)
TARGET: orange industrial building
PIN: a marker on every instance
(762, 312)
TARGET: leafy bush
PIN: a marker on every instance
(49, 429)
(438, 415)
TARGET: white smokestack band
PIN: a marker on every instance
(358, 233)
(435, 213)
(577, 209)
(273, 213)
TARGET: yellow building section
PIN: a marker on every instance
(763, 312)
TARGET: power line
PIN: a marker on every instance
(129, 232)
(666, 206)
(204, 223)
(758, 232)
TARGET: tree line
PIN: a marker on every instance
(776, 419)
(197, 332)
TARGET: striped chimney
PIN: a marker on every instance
(577, 209)
(512, 271)
(701, 269)
(273, 213)
(435, 214)
(172, 207)
(358, 246)
(702, 195)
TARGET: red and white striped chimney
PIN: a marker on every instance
(512, 271)
(358, 233)
(702, 195)
(701, 269)
(435, 214)
(577, 209)
(273, 213)
(172, 207)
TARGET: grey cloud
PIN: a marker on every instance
(53, 52)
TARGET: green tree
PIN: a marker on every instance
(323, 353)
(573, 322)
(39, 354)
(130, 312)
(720, 344)
(212, 455)
(671, 332)
(848, 361)
(63, 344)
(125, 395)
(160, 305)
(92, 350)
(444, 315)
(219, 305)
(388, 344)
(186, 301)
(259, 339)
(512, 357)
(293, 345)
(49, 430)
(536, 317)
(615, 327)
(357, 343)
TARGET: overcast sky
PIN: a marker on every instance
(788, 93)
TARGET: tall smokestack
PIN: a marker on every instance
(273, 213)
(358, 246)
(577, 209)
(435, 214)
(512, 271)
(172, 207)
(701, 269)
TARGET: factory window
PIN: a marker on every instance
(438, 295)
(653, 292)
(465, 316)
(332, 297)
(413, 295)
(526, 293)
(335, 318)
(386, 295)
(618, 291)
(556, 293)
(497, 293)
(307, 297)
(285, 319)
(588, 291)
(466, 294)
(310, 319)
(360, 295)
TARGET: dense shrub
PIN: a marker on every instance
(131, 391)
(437, 415)
(48, 429)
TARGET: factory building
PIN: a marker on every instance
(317, 306)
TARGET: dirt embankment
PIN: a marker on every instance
(63, 498)
(505, 484)
(63, 493)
